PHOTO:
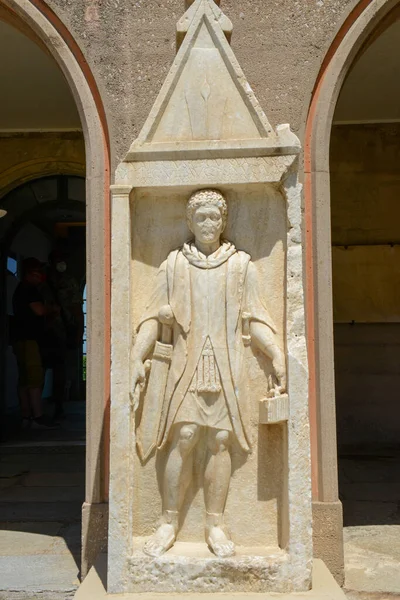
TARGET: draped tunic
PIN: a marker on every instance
(209, 297)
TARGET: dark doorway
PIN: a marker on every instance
(43, 216)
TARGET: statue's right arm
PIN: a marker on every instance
(144, 343)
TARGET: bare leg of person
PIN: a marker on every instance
(216, 486)
(176, 480)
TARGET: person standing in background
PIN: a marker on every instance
(67, 329)
(30, 312)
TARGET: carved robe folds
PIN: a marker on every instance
(209, 297)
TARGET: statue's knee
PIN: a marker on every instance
(187, 436)
(220, 441)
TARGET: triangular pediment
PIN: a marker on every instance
(206, 102)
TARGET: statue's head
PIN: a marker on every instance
(206, 214)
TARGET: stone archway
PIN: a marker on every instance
(366, 16)
(45, 25)
(34, 169)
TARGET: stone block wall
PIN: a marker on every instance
(26, 156)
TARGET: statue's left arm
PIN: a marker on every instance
(265, 340)
(262, 328)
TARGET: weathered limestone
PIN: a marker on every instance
(328, 534)
(324, 587)
(210, 411)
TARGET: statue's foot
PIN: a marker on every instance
(219, 542)
(160, 541)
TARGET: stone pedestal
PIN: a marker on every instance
(324, 587)
(190, 567)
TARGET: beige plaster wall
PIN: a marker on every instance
(365, 188)
(130, 46)
(365, 183)
(25, 156)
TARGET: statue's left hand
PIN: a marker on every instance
(278, 362)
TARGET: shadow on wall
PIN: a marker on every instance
(367, 388)
(94, 520)
(369, 486)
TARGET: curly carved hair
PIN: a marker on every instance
(206, 198)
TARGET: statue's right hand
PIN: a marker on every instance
(138, 374)
(139, 371)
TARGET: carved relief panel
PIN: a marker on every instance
(209, 419)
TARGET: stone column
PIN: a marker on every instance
(120, 469)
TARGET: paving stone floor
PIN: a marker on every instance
(369, 481)
(41, 494)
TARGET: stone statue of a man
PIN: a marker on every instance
(207, 294)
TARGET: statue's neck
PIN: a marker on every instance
(207, 249)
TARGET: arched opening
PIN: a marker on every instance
(348, 184)
(365, 212)
(52, 133)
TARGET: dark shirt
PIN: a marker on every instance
(28, 325)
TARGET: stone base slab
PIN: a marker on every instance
(192, 567)
(324, 588)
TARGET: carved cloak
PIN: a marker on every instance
(241, 296)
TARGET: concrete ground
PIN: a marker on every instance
(369, 481)
(41, 495)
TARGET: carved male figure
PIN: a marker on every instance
(207, 294)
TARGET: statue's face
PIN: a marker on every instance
(207, 224)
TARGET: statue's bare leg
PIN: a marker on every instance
(216, 485)
(178, 470)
